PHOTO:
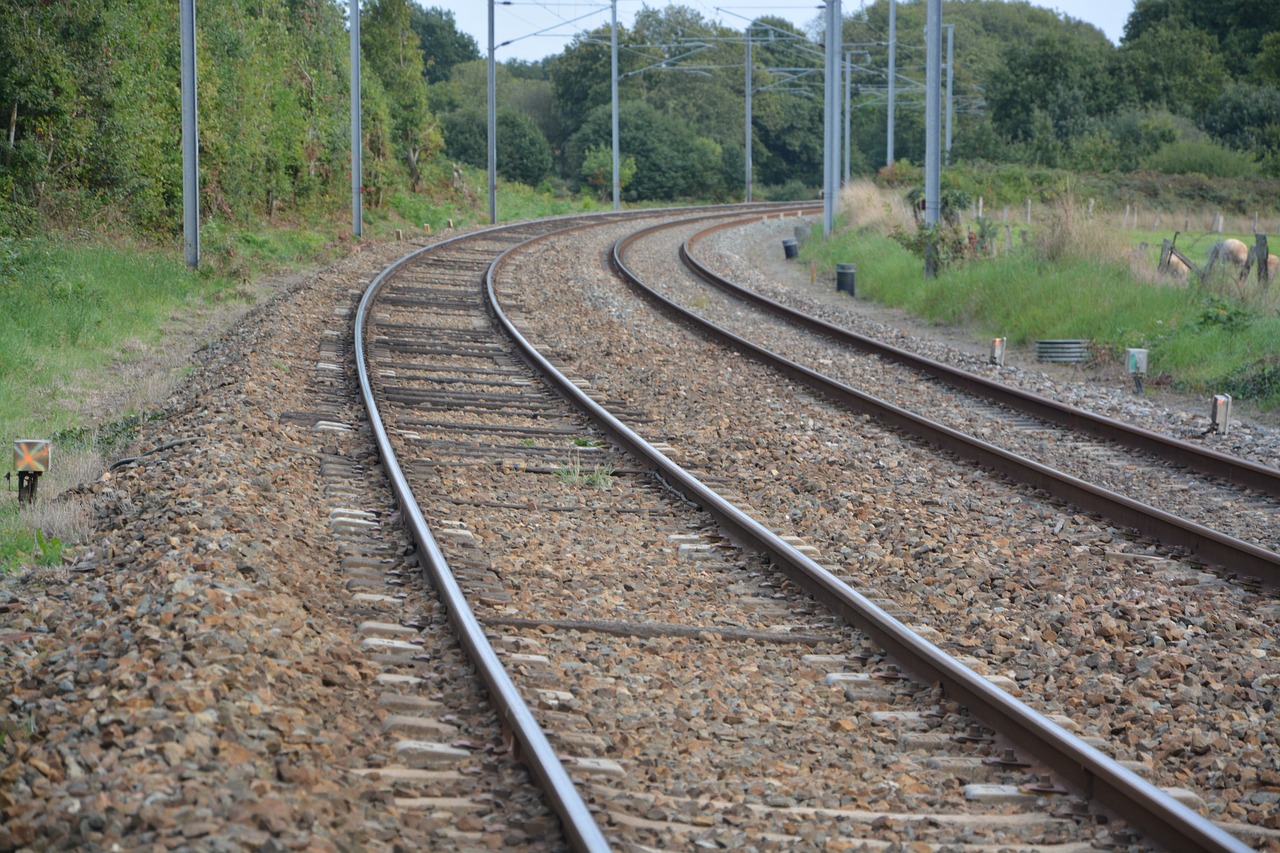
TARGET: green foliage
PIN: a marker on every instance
(792, 190)
(394, 52)
(954, 202)
(1266, 65)
(89, 103)
(1201, 157)
(948, 246)
(466, 136)
(1097, 150)
(671, 162)
(19, 544)
(582, 73)
(1258, 381)
(524, 154)
(1231, 316)
(1026, 299)
(1237, 28)
(1246, 117)
(597, 170)
(71, 307)
(1173, 64)
(572, 473)
(1138, 134)
(443, 46)
(1051, 88)
(789, 130)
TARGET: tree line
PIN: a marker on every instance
(90, 131)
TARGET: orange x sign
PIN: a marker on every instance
(31, 455)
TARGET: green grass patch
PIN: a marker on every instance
(72, 309)
(21, 545)
(1200, 342)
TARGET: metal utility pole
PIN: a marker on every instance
(613, 58)
(190, 135)
(848, 110)
(831, 150)
(748, 87)
(932, 115)
(493, 128)
(893, 74)
(357, 134)
(951, 42)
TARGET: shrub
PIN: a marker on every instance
(793, 190)
(1202, 157)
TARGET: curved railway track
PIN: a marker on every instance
(569, 555)
(1252, 561)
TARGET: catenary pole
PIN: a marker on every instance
(493, 127)
(831, 150)
(951, 43)
(932, 116)
(613, 61)
(190, 135)
(748, 140)
(893, 76)
(848, 110)
(357, 133)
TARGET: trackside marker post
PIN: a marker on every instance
(30, 460)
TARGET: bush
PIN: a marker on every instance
(524, 154)
(793, 190)
(1202, 157)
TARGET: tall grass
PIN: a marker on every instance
(75, 313)
(72, 309)
(1078, 277)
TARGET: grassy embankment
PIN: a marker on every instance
(80, 313)
(1077, 276)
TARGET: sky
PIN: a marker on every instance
(538, 28)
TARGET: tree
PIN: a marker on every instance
(1174, 65)
(671, 161)
(597, 170)
(1140, 133)
(1246, 117)
(466, 136)
(582, 74)
(443, 46)
(1065, 82)
(523, 152)
(393, 52)
(1267, 63)
(1237, 26)
(44, 108)
(789, 127)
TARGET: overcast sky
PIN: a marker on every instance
(538, 28)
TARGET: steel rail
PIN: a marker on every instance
(1213, 463)
(1116, 789)
(1233, 556)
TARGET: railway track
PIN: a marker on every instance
(1225, 517)
(671, 647)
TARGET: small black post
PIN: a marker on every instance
(847, 278)
(1264, 268)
